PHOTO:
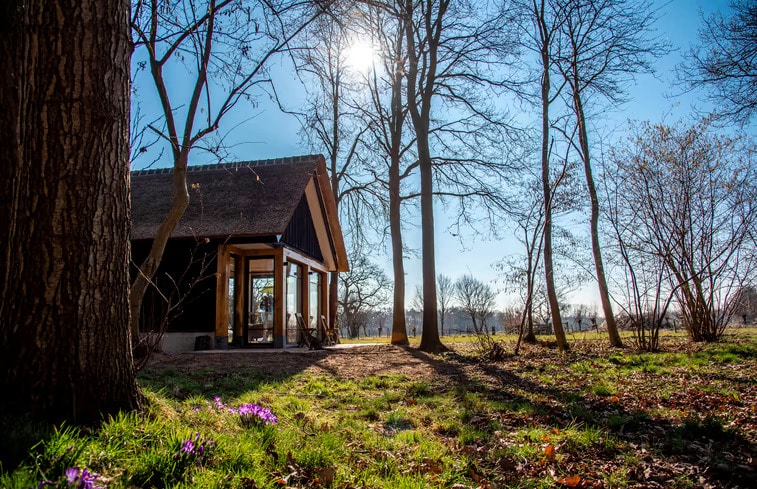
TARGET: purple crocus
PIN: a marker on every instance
(72, 474)
(253, 413)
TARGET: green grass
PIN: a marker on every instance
(603, 417)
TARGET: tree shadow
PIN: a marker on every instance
(715, 453)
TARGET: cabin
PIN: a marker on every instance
(249, 259)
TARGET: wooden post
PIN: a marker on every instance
(222, 298)
(279, 303)
(240, 293)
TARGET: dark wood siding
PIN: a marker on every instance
(187, 270)
(300, 233)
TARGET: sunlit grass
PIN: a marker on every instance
(394, 431)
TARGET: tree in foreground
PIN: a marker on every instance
(725, 62)
(693, 198)
(64, 236)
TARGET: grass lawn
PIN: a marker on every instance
(595, 417)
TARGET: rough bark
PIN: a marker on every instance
(64, 315)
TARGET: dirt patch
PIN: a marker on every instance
(346, 362)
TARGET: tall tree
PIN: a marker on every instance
(455, 50)
(602, 45)
(423, 37)
(331, 124)
(542, 21)
(64, 232)
(387, 112)
(225, 45)
(725, 61)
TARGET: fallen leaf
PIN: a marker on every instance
(549, 452)
(570, 481)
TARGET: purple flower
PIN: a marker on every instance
(218, 403)
(72, 474)
(188, 447)
(253, 413)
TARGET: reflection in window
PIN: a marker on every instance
(261, 301)
(293, 304)
(315, 299)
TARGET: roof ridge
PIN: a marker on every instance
(234, 165)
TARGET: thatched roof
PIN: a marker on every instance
(246, 198)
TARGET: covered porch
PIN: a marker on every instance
(262, 290)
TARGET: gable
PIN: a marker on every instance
(300, 232)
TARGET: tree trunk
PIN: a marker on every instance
(150, 265)
(604, 295)
(430, 341)
(64, 164)
(528, 310)
(419, 98)
(399, 326)
(554, 306)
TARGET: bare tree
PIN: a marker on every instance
(332, 120)
(725, 61)
(477, 300)
(643, 284)
(540, 22)
(446, 289)
(225, 46)
(390, 141)
(602, 45)
(454, 51)
(64, 218)
(363, 288)
(693, 196)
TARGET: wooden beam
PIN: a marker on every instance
(222, 295)
(279, 302)
(240, 292)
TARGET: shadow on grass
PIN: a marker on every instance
(711, 452)
(719, 454)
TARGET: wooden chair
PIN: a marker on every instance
(330, 334)
(307, 338)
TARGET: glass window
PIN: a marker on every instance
(261, 301)
(293, 305)
(315, 299)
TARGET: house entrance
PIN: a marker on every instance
(260, 302)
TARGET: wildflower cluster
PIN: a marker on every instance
(193, 451)
(249, 414)
(252, 414)
(75, 479)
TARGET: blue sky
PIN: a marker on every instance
(264, 132)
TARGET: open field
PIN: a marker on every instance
(384, 416)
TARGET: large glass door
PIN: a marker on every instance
(261, 301)
(293, 273)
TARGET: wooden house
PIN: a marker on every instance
(251, 253)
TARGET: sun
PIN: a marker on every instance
(360, 56)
